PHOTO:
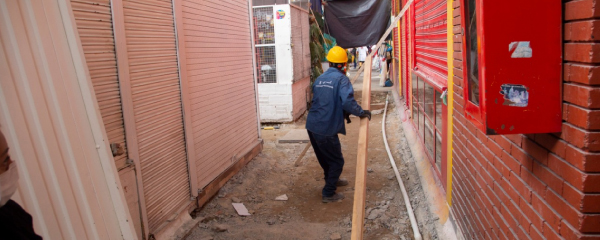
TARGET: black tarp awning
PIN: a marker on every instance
(355, 23)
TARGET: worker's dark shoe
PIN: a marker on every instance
(341, 182)
(335, 198)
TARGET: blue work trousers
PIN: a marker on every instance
(329, 153)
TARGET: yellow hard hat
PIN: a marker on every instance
(337, 55)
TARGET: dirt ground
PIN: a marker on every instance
(273, 173)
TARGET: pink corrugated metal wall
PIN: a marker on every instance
(94, 24)
(155, 89)
(53, 126)
(218, 63)
(95, 27)
(220, 76)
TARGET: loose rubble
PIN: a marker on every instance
(263, 183)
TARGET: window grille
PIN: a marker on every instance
(304, 4)
(265, 56)
(265, 44)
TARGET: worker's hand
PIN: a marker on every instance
(366, 114)
(347, 117)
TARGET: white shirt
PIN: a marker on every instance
(362, 54)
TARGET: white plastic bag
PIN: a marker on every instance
(376, 63)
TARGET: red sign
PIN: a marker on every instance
(515, 58)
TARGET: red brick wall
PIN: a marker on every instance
(536, 185)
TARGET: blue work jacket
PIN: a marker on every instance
(332, 95)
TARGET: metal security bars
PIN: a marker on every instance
(265, 57)
(304, 4)
(264, 32)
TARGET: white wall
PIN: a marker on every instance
(283, 48)
(275, 99)
(275, 102)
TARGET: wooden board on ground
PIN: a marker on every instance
(299, 159)
(295, 136)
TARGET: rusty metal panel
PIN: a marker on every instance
(300, 59)
(305, 43)
(430, 40)
(94, 24)
(300, 41)
(157, 106)
(297, 64)
(221, 84)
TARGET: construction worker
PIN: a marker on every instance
(332, 96)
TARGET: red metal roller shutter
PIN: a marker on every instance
(403, 61)
(431, 39)
(155, 89)
(221, 84)
(396, 42)
(94, 24)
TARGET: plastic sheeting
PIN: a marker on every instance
(315, 5)
(355, 23)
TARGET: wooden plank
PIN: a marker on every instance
(358, 211)
(211, 189)
(298, 160)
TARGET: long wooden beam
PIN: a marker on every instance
(360, 187)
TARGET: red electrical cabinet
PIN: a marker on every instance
(512, 65)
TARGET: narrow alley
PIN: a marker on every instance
(274, 172)
(203, 119)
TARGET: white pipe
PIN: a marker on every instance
(411, 214)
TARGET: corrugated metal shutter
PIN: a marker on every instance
(396, 40)
(404, 60)
(431, 39)
(49, 120)
(395, 7)
(150, 33)
(94, 24)
(220, 75)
